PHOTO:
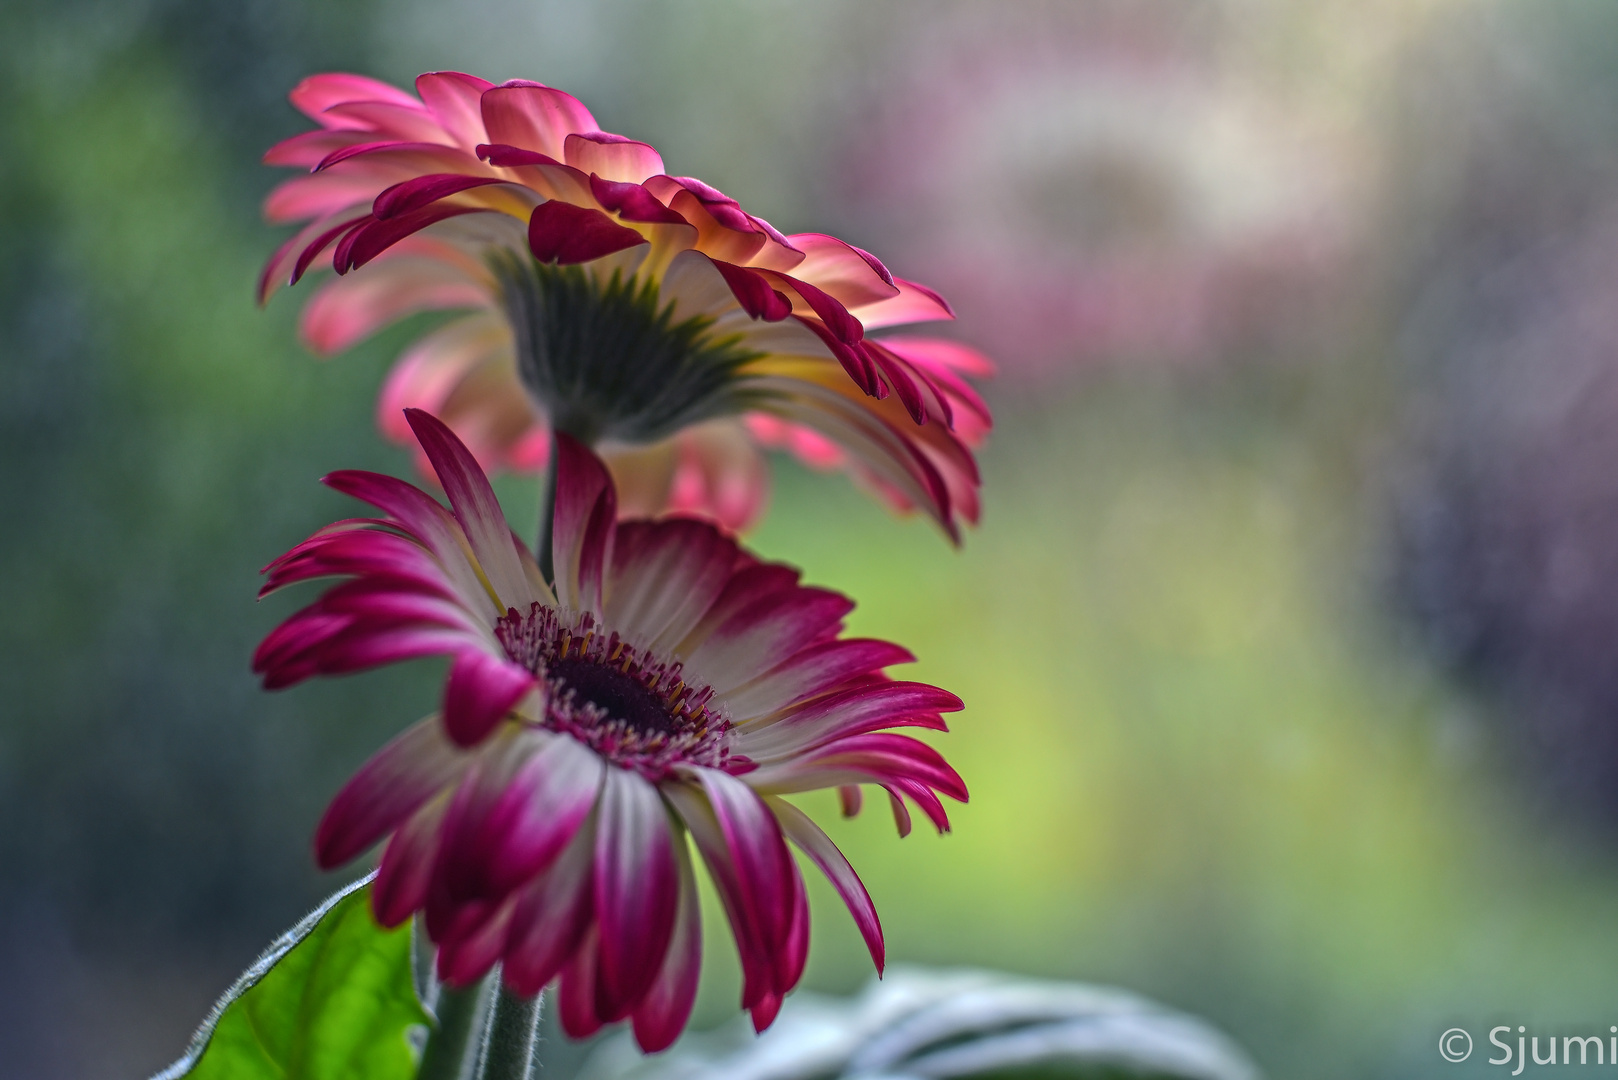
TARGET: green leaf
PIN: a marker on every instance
(331, 999)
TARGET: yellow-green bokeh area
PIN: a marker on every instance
(1203, 763)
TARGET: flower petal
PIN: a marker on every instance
(455, 100)
(476, 508)
(533, 116)
(612, 157)
(552, 916)
(480, 691)
(663, 1012)
(582, 530)
(636, 891)
(388, 789)
(562, 233)
(820, 849)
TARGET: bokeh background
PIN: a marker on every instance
(1289, 635)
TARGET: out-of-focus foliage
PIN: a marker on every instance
(1212, 759)
(921, 1024)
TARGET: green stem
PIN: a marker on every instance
(451, 1045)
(547, 517)
(509, 1052)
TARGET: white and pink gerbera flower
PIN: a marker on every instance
(645, 313)
(670, 684)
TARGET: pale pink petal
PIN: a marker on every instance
(455, 102)
(915, 303)
(534, 117)
(755, 953)
(854, 711)
(842, 270)
(612, 157)
(346, 310)
(752, 640)
(314, 95)
(410, 122)
(636, 891)
(665, 576)
(427, 374)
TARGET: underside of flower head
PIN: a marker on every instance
(669, 690)
(610, 299)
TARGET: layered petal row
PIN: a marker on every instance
(510, 204)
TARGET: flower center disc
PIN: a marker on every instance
(620, 696)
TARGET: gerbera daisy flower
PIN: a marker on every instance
(645, 313)
(670, 685)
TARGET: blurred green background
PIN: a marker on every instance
(1286, 638)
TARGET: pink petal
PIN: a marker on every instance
(534, 117)
(309, 148)
(428, 521)
(849, 712)
(665, 577)
(764, 873)
(301, 249)
(843, 271)
(428, 373)
(818, 846)
(314, 95)
(349, 309)
(915, 303)
(467, 957)
(523, 810)
(373, 238)
(576, 1004)
(663, 1012)
(753, 640)
(552, 916)
(810, 672)
(754, 293)
(456, 103)
(400, 888)
(612, 157)
(583, 527)
(407, 122)
(632, 202)
(476, 508)
(723, 230)
(756, 954)
(480, 691)
(562, 233)
(636, 891)
(414, 194)
(393, 785)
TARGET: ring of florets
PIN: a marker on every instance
(635, 710)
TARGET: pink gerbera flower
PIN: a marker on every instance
(670, 684)
(639, 311)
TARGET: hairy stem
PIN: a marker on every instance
(451, 1048)
(509, 1052)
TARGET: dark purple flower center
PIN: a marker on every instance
(633, 709)
(618, 695)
